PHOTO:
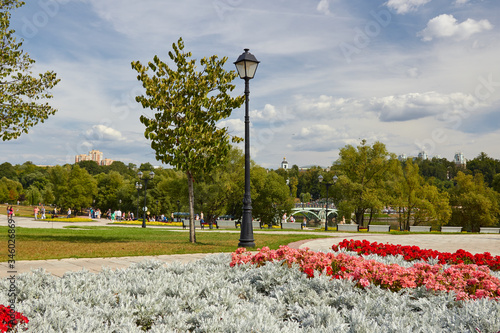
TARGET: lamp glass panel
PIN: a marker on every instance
(240, 66)
(251, 68)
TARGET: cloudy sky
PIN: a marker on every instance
(413, 74)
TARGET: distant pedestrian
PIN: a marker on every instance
(43, 212)
(36, 212)
(69, 213)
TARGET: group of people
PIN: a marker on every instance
(10, 212)
(118, 215)
(40, 210)
(94, 213)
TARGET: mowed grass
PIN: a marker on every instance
(100, 242)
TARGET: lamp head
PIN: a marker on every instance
(246, 64)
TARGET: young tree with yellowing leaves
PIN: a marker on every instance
(187, 104)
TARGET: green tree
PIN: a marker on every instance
(10, 190)
(364, 170)
(20, 91)
(271, 195)
(216, 190)
(486, 166)
(8, 171)
(308, 182)
(496, 183)
(58, 177)
(33, 195)
(417, 201)
(80, 190)
(474, 205)
(171, 185)
(107, 190)
(91, 166)
(187, 106)
(305, 197)
(47, 195)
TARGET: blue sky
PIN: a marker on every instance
(413, 74)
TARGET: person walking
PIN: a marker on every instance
(43, 212)
(69, 213)
(36, 212)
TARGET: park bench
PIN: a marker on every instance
(420, 228)
(347, 227)
(255, 224)
(489, 230)
(227, 224)
(378, 228)
(291, 225)
(451, 229)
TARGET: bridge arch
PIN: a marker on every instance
(319, 213)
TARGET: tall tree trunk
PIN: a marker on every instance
(192, 235)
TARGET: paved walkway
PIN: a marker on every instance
(474, 243)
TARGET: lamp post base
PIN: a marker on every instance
(246, 234)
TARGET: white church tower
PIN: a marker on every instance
(284, 164)
(460, 160)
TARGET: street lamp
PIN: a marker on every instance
(178, 210)
(151, 175)
(247, 64)
(138, 187)
(320, 178)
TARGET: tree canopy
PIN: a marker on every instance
(187, 104)
(362, 169)
(21, 93)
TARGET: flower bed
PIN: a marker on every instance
(411, 253)
(139, 222)
(466, 281)
(9, 323)
(210, 296)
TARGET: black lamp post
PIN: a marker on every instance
(151, 175)
(246, 64)
(138, 187)
(320, 178)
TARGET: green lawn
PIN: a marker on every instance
(92, 242)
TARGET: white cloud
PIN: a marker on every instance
(235, 127)
(419, 105)
(269, 112)
(328, 106)
(323, 7)
(405, 6)
(461, 2)
(446, 26)
(104, 133)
